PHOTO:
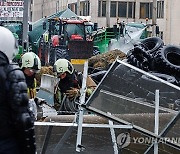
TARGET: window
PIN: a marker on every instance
(122, 9)
(102, 8)
(160, 9)
(84, 8)
(113, 9)
(146, 10)
(117, 9)
(73, 7)
(131, 10)
(126, 9)
(99, 9)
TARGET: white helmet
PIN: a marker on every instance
(30, 60)
(63, 65)
(8, 43)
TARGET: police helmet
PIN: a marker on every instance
(8, 43)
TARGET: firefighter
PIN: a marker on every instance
(30, 65)
(67, 91)
(16, 122)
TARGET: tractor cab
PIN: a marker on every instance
(74, 30)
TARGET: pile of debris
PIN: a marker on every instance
(44, 70)
(106, 59)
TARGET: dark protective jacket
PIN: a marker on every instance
(64, 104)
(16, 119)
(74, 80)
(31, 85)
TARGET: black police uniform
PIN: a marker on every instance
(16, 121)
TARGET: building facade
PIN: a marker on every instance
(168, 13)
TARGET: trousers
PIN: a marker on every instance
(9, 146)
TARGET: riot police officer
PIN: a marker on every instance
(16, 122)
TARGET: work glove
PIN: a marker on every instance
(89, 91)
(72, 93)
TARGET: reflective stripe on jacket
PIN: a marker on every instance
(32, 91)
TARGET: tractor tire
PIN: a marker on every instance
(140, 58)
(57, 53)
(44, 57)
(62, 53)
(167, 60)
(152, 44)
(52, 56)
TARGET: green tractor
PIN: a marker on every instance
(16, 27)
(126, 35)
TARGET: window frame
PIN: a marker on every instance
(160, 9)
(101, 8)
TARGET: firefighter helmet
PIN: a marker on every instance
(30, 60)
(62, 66)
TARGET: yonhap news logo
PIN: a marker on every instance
(124, 139)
